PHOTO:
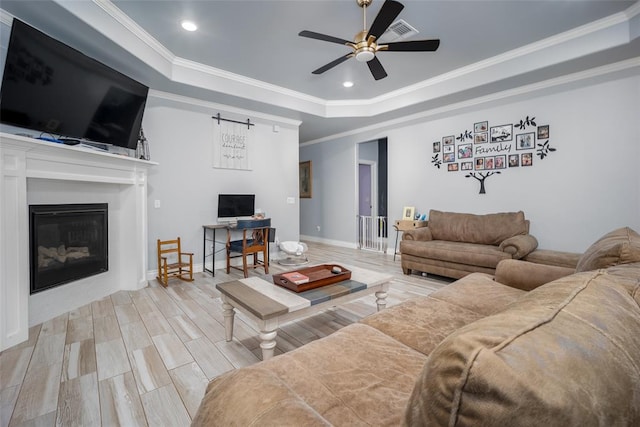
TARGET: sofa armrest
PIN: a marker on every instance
(420, 234)
(519, 246)
(528, 275)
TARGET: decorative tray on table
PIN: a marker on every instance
(312, 277)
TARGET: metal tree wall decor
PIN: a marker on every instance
(488, 151)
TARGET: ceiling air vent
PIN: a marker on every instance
(399, 30)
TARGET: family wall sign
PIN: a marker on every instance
(491, 150)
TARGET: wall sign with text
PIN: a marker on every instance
(491, 150)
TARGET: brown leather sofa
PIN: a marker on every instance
(457, 244)
(481, 351)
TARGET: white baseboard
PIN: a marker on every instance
(340, 243)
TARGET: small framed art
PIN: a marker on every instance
(501, 133)
(543, 132)
(480, 138)
(525, 141)
(465, 151)
(305, 179)
(408, 212)
(481, 127)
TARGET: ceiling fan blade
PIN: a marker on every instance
(388, 13)
(377, 69)
(412, 46)
(332, 64)
(323, 37)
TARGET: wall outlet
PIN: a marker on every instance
(156, 204)
(318, 227)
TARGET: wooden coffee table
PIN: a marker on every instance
(270, 306)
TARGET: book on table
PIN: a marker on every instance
(295, 277)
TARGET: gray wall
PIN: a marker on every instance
(589, 186)
(187, 186)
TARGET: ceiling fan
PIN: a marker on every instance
(364, 44)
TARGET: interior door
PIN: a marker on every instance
(364, 185)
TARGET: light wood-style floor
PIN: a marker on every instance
(144, 358)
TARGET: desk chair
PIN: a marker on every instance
(255, 239)
(173, 262)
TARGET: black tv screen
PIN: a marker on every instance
(236, 205)
(50, 87)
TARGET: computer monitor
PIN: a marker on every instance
(232, 207)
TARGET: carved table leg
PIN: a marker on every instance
(381, 300)
(267, 343)
(228, 314)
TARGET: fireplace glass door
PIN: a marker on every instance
(67, 243)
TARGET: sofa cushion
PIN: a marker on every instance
(489, 229)
(355, 376)
(621, 246)
(479, 293)
(422, 323)
(456, 252)
(563, 354)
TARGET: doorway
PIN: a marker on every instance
(372, 195)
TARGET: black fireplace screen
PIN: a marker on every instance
(67, 243)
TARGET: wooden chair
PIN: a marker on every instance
(172, 262)
(255, 239)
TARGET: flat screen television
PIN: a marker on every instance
(50, 87)
(234, 206)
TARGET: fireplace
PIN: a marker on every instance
(67, 243)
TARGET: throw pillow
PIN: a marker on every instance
(621, 246)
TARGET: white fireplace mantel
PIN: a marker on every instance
(73, 172)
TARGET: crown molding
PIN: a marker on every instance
(131, 26)
(6, 18)
(627, 65)
(212, 106)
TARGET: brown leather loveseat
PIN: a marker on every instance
(457, 244)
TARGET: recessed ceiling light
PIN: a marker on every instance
(347, 84)
(189, 25)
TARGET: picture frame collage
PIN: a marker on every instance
(460, 153)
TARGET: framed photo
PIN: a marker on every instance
(481, 127)
(543, 132)
(448, 149)
(525, 141)
(448, 140)
(481, 138)
(500, 162)
(489, 163)
(466, 166)
(449, 157)
(514, 160)
(305, 179)
(465, 151)
(452, 167)
(479, 163)
(501, 133)
(526, 159)
(436, 147)
(408, 212)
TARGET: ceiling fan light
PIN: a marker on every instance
(365, 56)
